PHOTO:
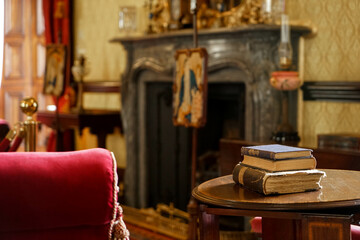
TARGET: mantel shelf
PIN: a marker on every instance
(303, 30)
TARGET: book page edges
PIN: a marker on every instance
(257, 180)
(275, 166)
(311, 184)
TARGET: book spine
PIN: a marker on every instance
(250, 178)
(257, 153)
(235, 173)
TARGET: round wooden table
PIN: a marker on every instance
(323, 214)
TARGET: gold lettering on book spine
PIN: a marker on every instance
(241, 175)
(254, 152)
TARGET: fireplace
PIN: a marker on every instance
(241, 104)
(168, 151)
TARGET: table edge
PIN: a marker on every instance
(273, 207)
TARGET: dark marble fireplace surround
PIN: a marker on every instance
(245, 55)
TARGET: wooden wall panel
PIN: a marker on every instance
(38, 56)
(13, 61)
(40, 60)
(24, 56)
(40, 24)
(13, 113)
(14, 17)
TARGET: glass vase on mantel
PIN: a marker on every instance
(278, 9)
(127, 19)
(272, 11)
(285, 48)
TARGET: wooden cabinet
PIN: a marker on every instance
(24, 56)
(230, 155)
(339, 141)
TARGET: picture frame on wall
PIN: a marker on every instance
(190, 88)
(54, 79)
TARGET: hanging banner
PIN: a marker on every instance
(190, 88)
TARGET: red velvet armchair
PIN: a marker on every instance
(60, 195)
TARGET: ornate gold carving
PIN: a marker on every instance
(248, 12)
(207, 17)
(160, 17)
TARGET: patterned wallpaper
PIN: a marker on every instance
(95, 23)
(331, 55)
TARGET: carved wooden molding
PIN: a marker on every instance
(331, 91)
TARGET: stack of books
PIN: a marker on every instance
(277, 169)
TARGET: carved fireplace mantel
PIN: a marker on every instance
(244, 55)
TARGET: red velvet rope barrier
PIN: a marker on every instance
(18, 139)
(5, 143)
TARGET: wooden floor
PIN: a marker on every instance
(138, 233)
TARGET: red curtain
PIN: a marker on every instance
(58, 29)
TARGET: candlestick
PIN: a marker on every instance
(192, 5)
(285, 49)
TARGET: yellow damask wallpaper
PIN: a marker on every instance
(95, 23)
(331, 55)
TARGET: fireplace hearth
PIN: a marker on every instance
(241, 104)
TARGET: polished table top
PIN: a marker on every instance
(340, 188)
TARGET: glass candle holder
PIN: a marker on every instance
(285, 48)
(127, 19)
(267, 11)
(278, 8)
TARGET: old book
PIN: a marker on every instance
(276, 151)
(276, 165)
(277, 182)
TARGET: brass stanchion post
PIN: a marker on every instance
(29, 107)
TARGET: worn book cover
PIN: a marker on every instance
(276, 151)
(279, 182)
(288, 164)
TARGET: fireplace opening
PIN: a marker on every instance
(168, 148)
